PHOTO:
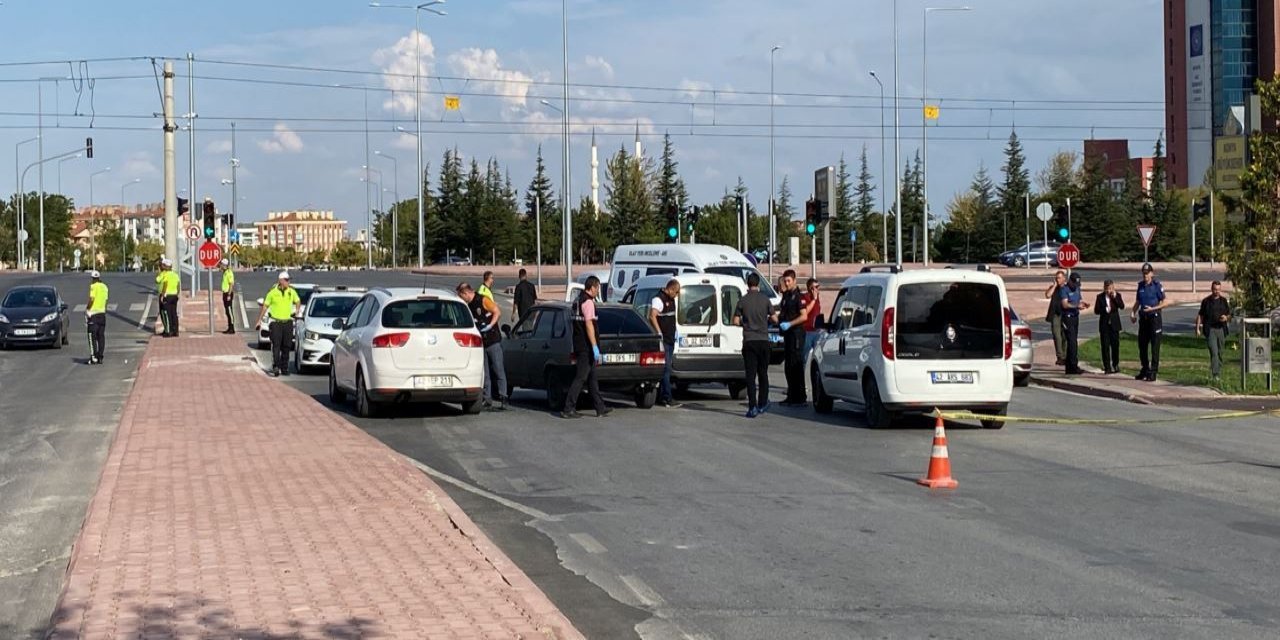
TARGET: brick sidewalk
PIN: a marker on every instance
(232, 506)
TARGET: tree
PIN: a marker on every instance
(452, 230)
(964, 213)
(592, 242)
(347, 253)
(669, 192)
(1012, 191)
(113, 246)
(785, 213)
(868, 223)
(987, 238)
(629, 202)
(913, 209)
(540, 196)
(1253, 248)
(842, 222)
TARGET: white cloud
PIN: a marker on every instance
(598, 63)
(138, 164)
(485, 72)
(405, 141)
(283, 140)
(218, 147)
(397, 65)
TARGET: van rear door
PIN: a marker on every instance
(949, 340)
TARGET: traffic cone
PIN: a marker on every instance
(939, 476)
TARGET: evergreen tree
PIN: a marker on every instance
(452, 230)
(592, 241)
(669, 192)
(868, 223)
(1011, 194)
(842, 222)
(913, 210)
(629, 202)
(540, 196)
(785, 213)
(986, 240)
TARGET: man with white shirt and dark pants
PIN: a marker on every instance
(662, 315)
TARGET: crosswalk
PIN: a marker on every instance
(110, 307)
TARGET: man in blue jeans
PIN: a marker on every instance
(662, 315)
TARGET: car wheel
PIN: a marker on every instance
(365, 407)
(735, 389)
(822, 403)
(66, 338)
(1002, 411)
(555, 391)
(58, 342)
(1021, 379)
(878, 417)
(646, 397)
(336, 394)
(1019, 261)
(472, 407)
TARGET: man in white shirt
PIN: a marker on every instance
(662, 315)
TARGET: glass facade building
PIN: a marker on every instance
(1234, 58)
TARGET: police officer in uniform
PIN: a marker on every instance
(1146, 312)
(487, 314)
(96, 317)
(168, 286)
(586, 348)
(792, 315)
(1071, 303)
(228, 293)
(662, 316)
(282, 303)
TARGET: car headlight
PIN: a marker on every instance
(50, 318)
(310, 336)
(4, 319)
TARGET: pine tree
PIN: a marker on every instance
(785, 213)
(867, 221)
(986, 240)
(452, 232)
(539, 196)
(842, 222)
(913, 210)
(629, 202)
(669, 192)
(592, 241)
(1012, 192)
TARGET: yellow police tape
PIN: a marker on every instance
(969, 415)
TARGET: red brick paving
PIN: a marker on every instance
(233, 506)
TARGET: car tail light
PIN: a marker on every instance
(887, 334)
(1008, 334)
(391, 340)
(1022, 333)
(653, 358)
(468, 339)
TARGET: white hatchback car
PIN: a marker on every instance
(911, 341)
(408, 345)
(315, 332)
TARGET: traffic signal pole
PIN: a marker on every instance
(1193, 247)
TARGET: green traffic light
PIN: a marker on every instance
(811, 228)
(672, 232)
(1062, 233)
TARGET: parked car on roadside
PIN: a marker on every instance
(319, 327)
(1024, 348)
(34, 315)
(1036, 253)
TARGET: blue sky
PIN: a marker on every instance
(301, 140)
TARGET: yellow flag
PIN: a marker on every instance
(931, 111)
(452, 103)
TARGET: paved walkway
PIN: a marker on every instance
(232, 506)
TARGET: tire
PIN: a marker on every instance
(822, 403)
(735, 389)
(878, 417)
(336, 394)
(66, 338)
(365, 407)
(1003, 410)
(58, 342)
(472, 407)
(1019, 261)
(297, 362)
(1021, 379)
(555, 391)
(646, 397)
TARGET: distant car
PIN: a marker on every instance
(1040, 253)
(264, 334)
(308, 267)
(538, 353)
(315, 332)
(34, 315)
(408, 345)
(453, 261)
(1024, 348)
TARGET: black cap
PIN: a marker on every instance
(1147, 268)
(1075, 276)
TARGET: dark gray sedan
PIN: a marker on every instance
(34, 315)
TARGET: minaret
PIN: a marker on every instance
(639, 148)
(595, 173)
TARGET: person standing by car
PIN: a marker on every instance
(487, 314)
(168, 286)
(792, 316)
(1211, 322)
(586, 350)
(662, 316)
(282, 303)
(811, 299)
(526, 295)
(96, 317)
(1108, 307)
(1054, 316)
(1149, 301)
(1072, 304)
(486, 285)
(752, 314)
(228, 293)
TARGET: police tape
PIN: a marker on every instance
(1229, 415)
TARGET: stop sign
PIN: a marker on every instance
(1068, 256)
(209, 254)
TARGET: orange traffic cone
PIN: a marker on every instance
(939, 476)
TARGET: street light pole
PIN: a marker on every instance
(566, 242)
(897, 147)
(93, 219)
(395, 224)
(568, 217)
(773, 185)
(368, 216)
(22, 201)
(924, 119)
(884, 212)
(124, 226)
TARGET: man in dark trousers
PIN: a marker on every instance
(791, 319)
(1108, 306)
(662, 317)
(526, 295)
(752, 314)
(1211, 322)
(1072, 304)
(96, 317)
(1054, 315)
(1149, 301)
(586, 349)
(487, 315)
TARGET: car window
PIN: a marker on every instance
(427, 313)
(332, 306)
(353, 317)
(554, 323)
(842, 310)
(729, 296)
(42, 298)
(366, 314)
(642, 301)
(661, 271)
(304, 294)
(618, 321)
(619, 278)
(742, 272)
(697, 305)
(950, 320)
(524, 328)
(872, 304)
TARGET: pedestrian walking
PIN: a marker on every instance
(96, 317)
(487, 314)
(168, 287)
(662, 316)
(1072, 304)
(281, 304)
(1108, 306)
(791, 318)
(811, 300)
(586, 349)
(1212, 322)
(1148, 303)
(228, 293)
(1054, 315)
(752, 314)
(526, 295)
(486, 285)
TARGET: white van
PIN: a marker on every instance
(710, 349)
(912, 341)
(631, 262)
(571, 292)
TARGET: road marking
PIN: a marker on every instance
(588, 543)
(135, 307)
(112, 307)
(474, 445)
(520, 485)
(146, 311)
(644, 592)
(536, 514)
(244, 314)
(496, 463)
(78, 309)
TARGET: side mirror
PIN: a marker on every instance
(339, 324)
(62, 307)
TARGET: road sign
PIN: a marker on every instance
(76, 253)
(209, 255)
(1068, 256)
(193, 232)
(235, 249)
(233, 235)
(23, 235)
(1044, 212)
(853, 235)
(1146, 232)
(931, 112)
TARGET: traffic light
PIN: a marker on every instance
(811, 216)
(691, 220)
(88, 148)
(184, 207)
(1062, 217)
(210, 215)
(673, 223)
(1200, 208)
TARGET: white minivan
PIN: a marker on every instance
(634, 261)
(710, 349)
(911, 341)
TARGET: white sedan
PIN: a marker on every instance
(315, 332)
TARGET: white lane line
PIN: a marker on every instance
(520, 485)
(78, 308)
(474, 445)
(135, 307)
(588, 543)
(510, 504)
(146, 311)
(112, 307)
(244, 314)
(644, 592)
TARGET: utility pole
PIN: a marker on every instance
(40, 157)
(170, 177)
(235, 192)
(537, 225)
(191, 164)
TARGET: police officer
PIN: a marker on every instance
(586, 348)
(486, 285)
(228, 293)
(96, 317)
(487, 314)
(662, 316)
(282, 303)
(1071, 304)
(168, 286)
(792, 316)
(1146, 312)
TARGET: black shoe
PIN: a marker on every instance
(1151, 377)
(672, 404)
(570, 415)
(274, 373)
(601, 414)
(1075, 372)
(1142, 375)
(285, 372)
(230, 331)
(1059, 362)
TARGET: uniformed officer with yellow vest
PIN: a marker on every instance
(228, 293)
(96, 317)
(282, 304)
(168, 286)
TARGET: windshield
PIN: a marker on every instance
(614, 321)
(427, 314)
(950, 321)
(697, 305)
(333, 306)
(43, 298)
(742, 272)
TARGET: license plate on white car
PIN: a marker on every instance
(952, 377)
(432, 382)
(621, 358)
(699, 341)
(24, 332)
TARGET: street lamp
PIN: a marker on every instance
(897, 149)
(773, 221)
(368, 228)
(22, 200)
(884, 213)
(60, 169)
(417, 102)
(93, 219)
(566, 217)
(924, 119)
(395, 211)
(124, 226)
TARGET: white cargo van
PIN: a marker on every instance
(631, 262)
(911, 341)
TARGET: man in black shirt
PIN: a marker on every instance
(1211, 322)
(526, 295)
(752, 314)
(791, 317)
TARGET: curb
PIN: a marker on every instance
(1089, 390)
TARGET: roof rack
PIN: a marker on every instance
(891, 268)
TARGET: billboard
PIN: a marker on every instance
(1228, 164)
(1199, 81)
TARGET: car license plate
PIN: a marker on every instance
(699, 341)
(24, 332)
(952, 377)
(621, 358)
(433, 382)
